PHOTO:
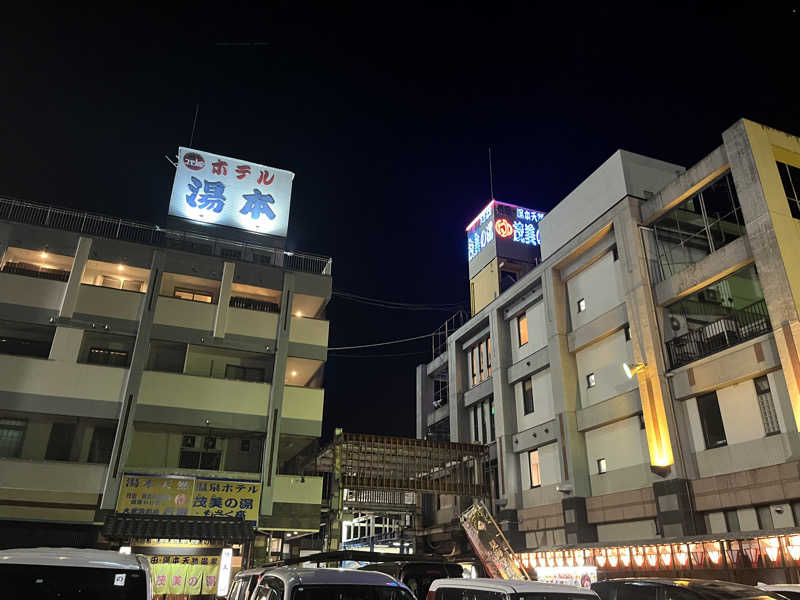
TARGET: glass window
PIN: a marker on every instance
(533, 461)
(104, 356)
(482, 412)
(46, 582)
(522, 327)
(732, 521)
(790, 177)
(590, 380)
(638, 591)
(475, 437)
(489, 357)
(602, 466)
(60, 442)
(12, 432)
(193, 295)
(491, 420)
(764, 517)
(711, 420)
(527, 396)
(769, 417)
(474, 354)
(581, 305)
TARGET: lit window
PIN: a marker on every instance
(590, 380)
(602, 466)
(533, 460)
(194, 295)
(581, 305)
(522, 326)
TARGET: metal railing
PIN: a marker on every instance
(734, 328)
(439, 337)
(18, 269)
(122, 229)
(251, 304)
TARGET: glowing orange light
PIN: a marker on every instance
(579, 558)
(503, 228)
(600, 560)
(771, 548)
(638, 559)
(714, 556)
(652, 559)
(625, 558)
(794, 552)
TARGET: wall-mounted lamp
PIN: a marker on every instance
(631, 370)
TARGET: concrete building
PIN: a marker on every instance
(691, 278)
(138, 357)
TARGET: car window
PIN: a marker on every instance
(631, 590)
(672, 592)
(605, 589)
(454, 593)
(233, 594)
(551, 596)
(351, 592)
(53, 583)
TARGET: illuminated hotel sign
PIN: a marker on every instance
(503, 222)
(227, 191)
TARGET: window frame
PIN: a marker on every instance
(528, 382)
(522, 325)
(194, 293)
(538, 464)
(766, 406)
(602, 466)
(704, 425)
(591, 380)
(18, 425)
(581, 305)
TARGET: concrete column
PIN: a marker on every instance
(221, 318)
(66, 344)
(70, 298)
(564, 379)
(424, 399)
(675, 507)
(269, 467)
(457, 383)
(131, 384)
(577, 528)
(772, 233)
(505, 413)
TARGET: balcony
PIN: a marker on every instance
(130, 231)
(734, 328)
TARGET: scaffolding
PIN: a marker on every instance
(389, 475)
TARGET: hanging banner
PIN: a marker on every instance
(490, 545)
(190, 575)
(232, 499)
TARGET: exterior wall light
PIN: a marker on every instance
(631, 370)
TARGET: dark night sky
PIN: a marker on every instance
(384, 112)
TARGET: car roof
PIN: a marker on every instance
(687, 583)
(70, 557)
(774, 587)
(511, 586)
(323, 576)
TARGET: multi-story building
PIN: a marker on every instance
(641, 382)
(134, 358)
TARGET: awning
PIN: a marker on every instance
(125, 527)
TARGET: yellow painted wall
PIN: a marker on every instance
(203, 393)
(302, 403)
(252, 323)
(484, 287)
(56, 378)
(297, 490)
(29, 291)
(185, 313)
(108, 302)
(309, 331)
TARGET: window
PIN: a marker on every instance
(489, 357)
(790, 177)
(244, 446)
(527, 396)
(491, 420)
(104, 356)
(59, 445)
(102, 444)
(615, 253)
(244, 373)
(193, 295)
(533, 461)
(12, 432)
(764, 515)
(581, 305)
(475, 437)
(711, 420)
(481, 410)
(641, 420)
(590, 380)
(522, 328)
(627, 330)
(732, 520)
(209, 458)
(481, 361)
(768, 415)
(602, 466)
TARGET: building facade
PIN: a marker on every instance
(137, 357)
(687, 279)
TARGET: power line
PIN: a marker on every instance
(395, 305)
(411, 339)
(394, 355)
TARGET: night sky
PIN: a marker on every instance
(385, 112)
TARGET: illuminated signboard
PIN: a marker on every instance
(227, 191)
(504, 222)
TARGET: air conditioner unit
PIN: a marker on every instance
(711, 295)
(677, 325)
(189, 441)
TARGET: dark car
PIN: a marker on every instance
(678, 589)
(418, 576)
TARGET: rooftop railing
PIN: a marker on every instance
(122, 229)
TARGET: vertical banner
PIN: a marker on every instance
(210, 574)
(194, 578)
(490, 545)
(158, 571)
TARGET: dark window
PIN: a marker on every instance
(244, 446)
(244, 373)
(482, 413)
(60, 443)
(111, 358)
(46, 582)
(527, 396)
(590, 380)
(475, 424)
(615, 253)
(790, 177)
(638, 591)
(491, 420)
(190, 459)
(230, 253)
(101, 445)
(732, 521)
(210, 460)
(711, 420)
(764, 517)
(12, 433)
(627, 330)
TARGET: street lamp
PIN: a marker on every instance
(631, 370)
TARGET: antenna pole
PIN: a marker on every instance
(194, 124)
(491, 175)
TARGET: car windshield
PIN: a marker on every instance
(351, 592)
(72, 583)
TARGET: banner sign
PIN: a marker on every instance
(195, 497)
(513, 227)
(220, 190)
(190, 575)
(490, 545)
(583, 576)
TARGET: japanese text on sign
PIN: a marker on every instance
(226, 191)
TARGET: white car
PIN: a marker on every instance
(505, 589)
(52, 573)
(294, 583)
(790, 591)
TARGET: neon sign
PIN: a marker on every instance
(509, 222)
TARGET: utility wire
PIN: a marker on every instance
(411, 339)
(391, 304)
(396, 355)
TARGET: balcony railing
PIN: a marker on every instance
(130, 231)
(251, 304)
(727, 331)
(19, 269)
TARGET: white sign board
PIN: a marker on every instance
(219, 190)
(580, 576)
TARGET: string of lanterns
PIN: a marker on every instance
(773, 552)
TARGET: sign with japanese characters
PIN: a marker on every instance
(190, 575)
(168, 495)
(227, 191)
(503, 223)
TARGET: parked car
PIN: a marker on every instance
(418, 576)
(635, 588)
(790, 591)
(504, 589)
(244, 583)
(56, 573)
(294, 583)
